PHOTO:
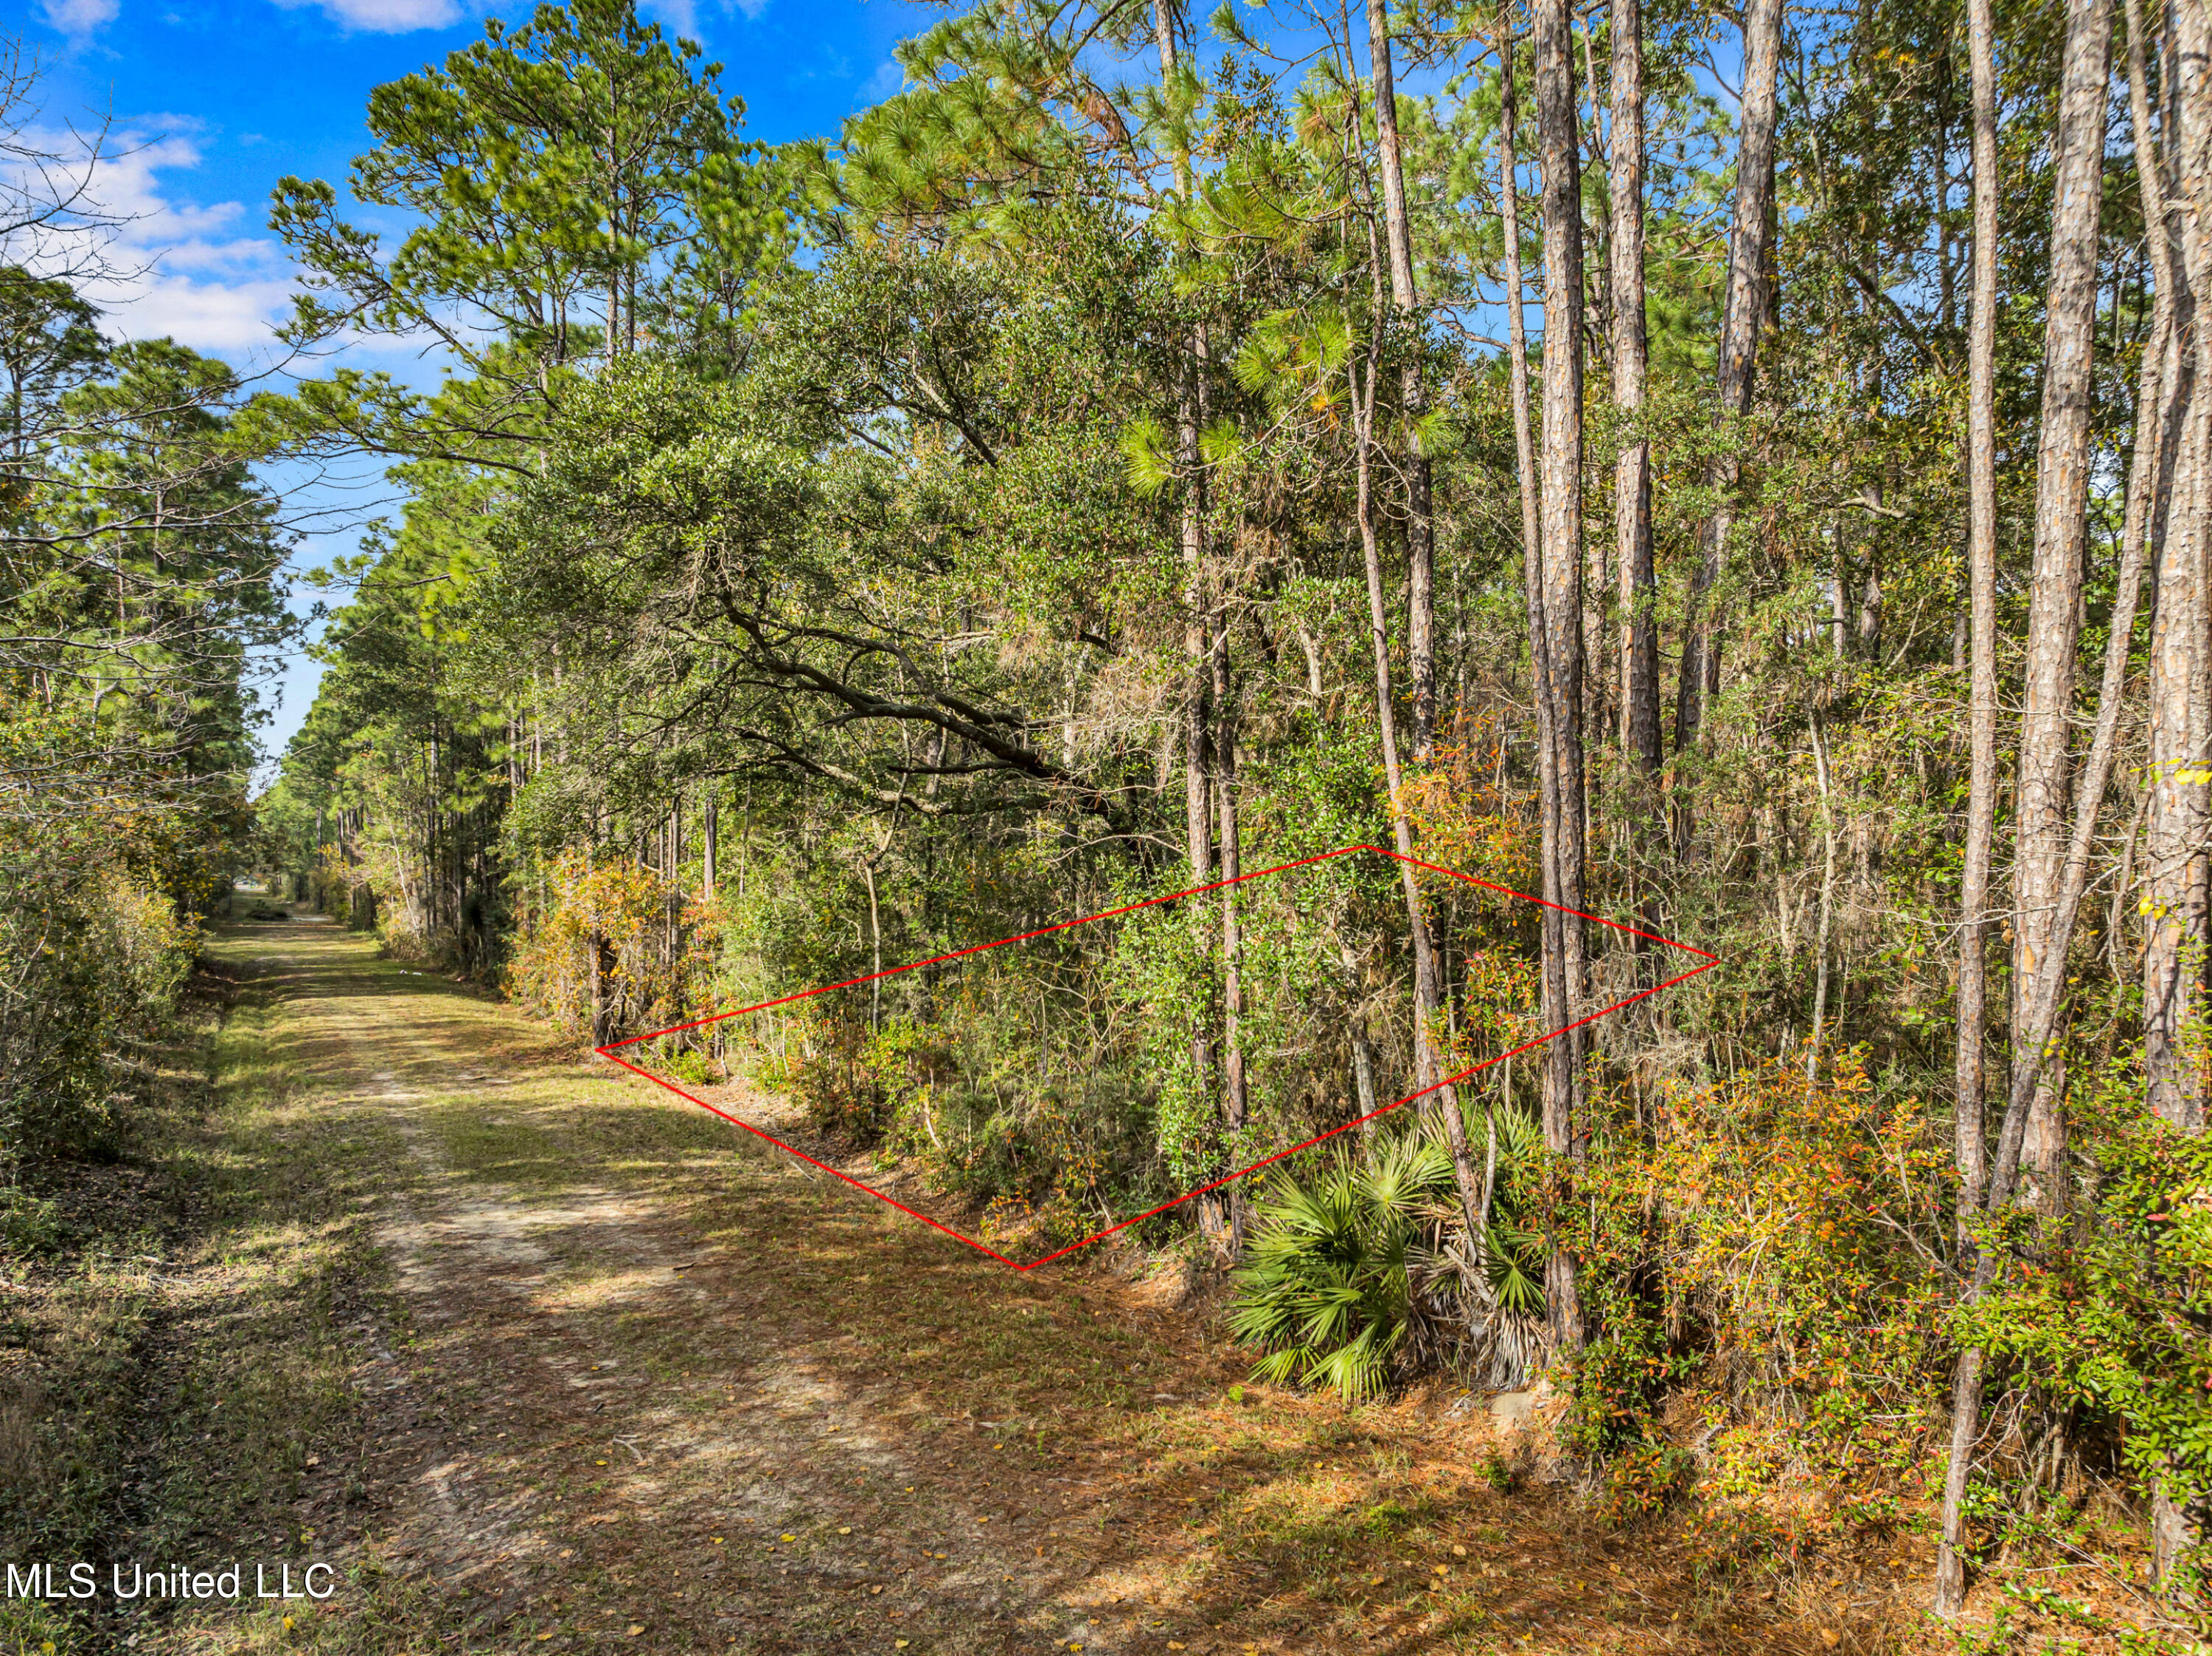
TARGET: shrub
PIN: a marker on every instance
(1645, 1476)
(94, 971)
(1325, 1293)
(692, 1066)
(28, 1224)
(1748, 1243)
(2119, 1324)
(1366, 1268)
(627, 914)
(853, 1081)
(840, 1085)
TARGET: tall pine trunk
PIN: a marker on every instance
(2062, 534)
(1429, 1062)
(1969, 1149)
(1198, 647)
(1631, 475)
(1559, 625)
(1749, 231)
(710, 823)
(1524, 446)
(1562, 1289)
(1234, 1105)
(1420, 525)
(2050, 862)
(1420, 575)
(1557, 1070)
(2178, 502)
(1970, 1146)
(2175, 866)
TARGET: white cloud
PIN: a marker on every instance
(194, 271)
(80, 16)
(125, 183)
(230, 319)
(888, 82)
(373, 16)
(681, 15)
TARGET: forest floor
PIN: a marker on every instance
(539, 1357)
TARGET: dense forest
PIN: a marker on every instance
(1740, 475)
(140, 598)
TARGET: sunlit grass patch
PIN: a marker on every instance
(499, 1139)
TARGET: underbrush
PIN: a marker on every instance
(95, 971)
(1035, 1145)
(1765, 1267)
(619, 949)
(172, 1356)
(83, 1235)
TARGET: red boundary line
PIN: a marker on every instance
(609, 1051)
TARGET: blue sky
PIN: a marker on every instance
(211, 101)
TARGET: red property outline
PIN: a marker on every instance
(609, 1051)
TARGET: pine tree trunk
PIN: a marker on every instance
(2174, 895)
(1428, 1069)
(1233, 1100)
(595, 947)
(710, 821)
(1197, 807)
(1420, 526)
(1198, 804)
(1197, 747)
(1560, 523)
(2174, 899)
(875, 950)
(1524, 447)
(1562, 1288)
(2051, 864)
(1638, 576)
(1363, 1082)
(1745, 311)
(2062, 531)
(2173, 881)
(1969, 1132)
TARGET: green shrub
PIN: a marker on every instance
(692, 1066)
(1341, 1263)
(2119, 1324)
(29, 1225)
(837, 1087)
(1645, 1476)
(853, 1081)
(96, 969)
(1325, 1291)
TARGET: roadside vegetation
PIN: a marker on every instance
(139, 588)
(535, 1355)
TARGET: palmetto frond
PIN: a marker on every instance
(1324, 1291)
